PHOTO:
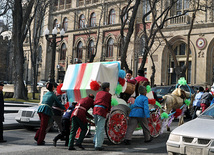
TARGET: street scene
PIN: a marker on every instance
(107, 77)
(20, 141)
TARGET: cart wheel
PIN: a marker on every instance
(116, 125)
(155, 124)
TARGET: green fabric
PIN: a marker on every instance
(76, 123)
(47, 102)
(85, 80)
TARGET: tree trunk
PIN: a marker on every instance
(19, 87)
(125, 42)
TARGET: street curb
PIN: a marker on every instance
(12, 126)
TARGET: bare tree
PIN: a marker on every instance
(126, 39)
(22, 18)
(39, 12)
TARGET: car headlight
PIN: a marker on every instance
(174, 138)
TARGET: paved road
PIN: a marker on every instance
(20, 142)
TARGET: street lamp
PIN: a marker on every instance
(53, 45)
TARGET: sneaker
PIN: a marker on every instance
(35, 138)
(80, 146)
(3, 141)
(71, 148)
(42, 143)
(99, 148)
(127, 142)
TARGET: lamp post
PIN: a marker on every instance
(53, 45)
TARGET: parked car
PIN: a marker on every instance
(163, 90)
(41, 83)
(194, 137)
(28, 117)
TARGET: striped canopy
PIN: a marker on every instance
(79, 76)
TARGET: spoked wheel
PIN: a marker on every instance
(155, 124)
(116, 125)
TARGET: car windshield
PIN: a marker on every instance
(208, 113)
(162, 91)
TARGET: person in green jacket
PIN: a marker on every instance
(45, 113)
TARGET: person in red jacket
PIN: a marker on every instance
(78, 119)
(102, 106)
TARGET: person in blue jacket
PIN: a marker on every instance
(139, 114)
(45, 113)
(66, 123)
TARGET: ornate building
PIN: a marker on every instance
(97, 22)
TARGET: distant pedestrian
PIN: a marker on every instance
(66, 123)
(102, 106)
(139, 115)
(78, 120)
(196, 102)
(1, 113)
(206, 99)
(140, 79)
(45, 113)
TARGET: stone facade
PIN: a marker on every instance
(81, 20)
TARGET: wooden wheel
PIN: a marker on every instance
(155, 124)
(116, 125)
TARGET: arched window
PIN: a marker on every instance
(93, 20)
(112, 16)
(125, 14)
(55, 23)
(40, 54)
(90, 48)
(63, 52)
(142, 46)
(180, 51)
(146, 8)
(82, 21)
(65, 24)
(110, 45)
(79, 50)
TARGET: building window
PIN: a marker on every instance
(142, 46)
(93, 20)
(110, 45)
(125, 15)
(63, 52)
(82, 21)
(180, 51)
(146, 8)
(61, 4)
(68, 4)
(180, 7)
(55, 24)
(90, 48)
(112, 16)
(79, 50)
(81, 2)
(40, 54)
(55, 5)
(65, 24)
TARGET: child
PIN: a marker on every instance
(65, 125)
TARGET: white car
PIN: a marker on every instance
(28, 117)
(195, 137)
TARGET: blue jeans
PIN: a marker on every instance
(100, 130)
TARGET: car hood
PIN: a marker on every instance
(34, 108)
(199, 127)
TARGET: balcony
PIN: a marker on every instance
(180, 20)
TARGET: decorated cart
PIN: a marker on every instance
(83, 79)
